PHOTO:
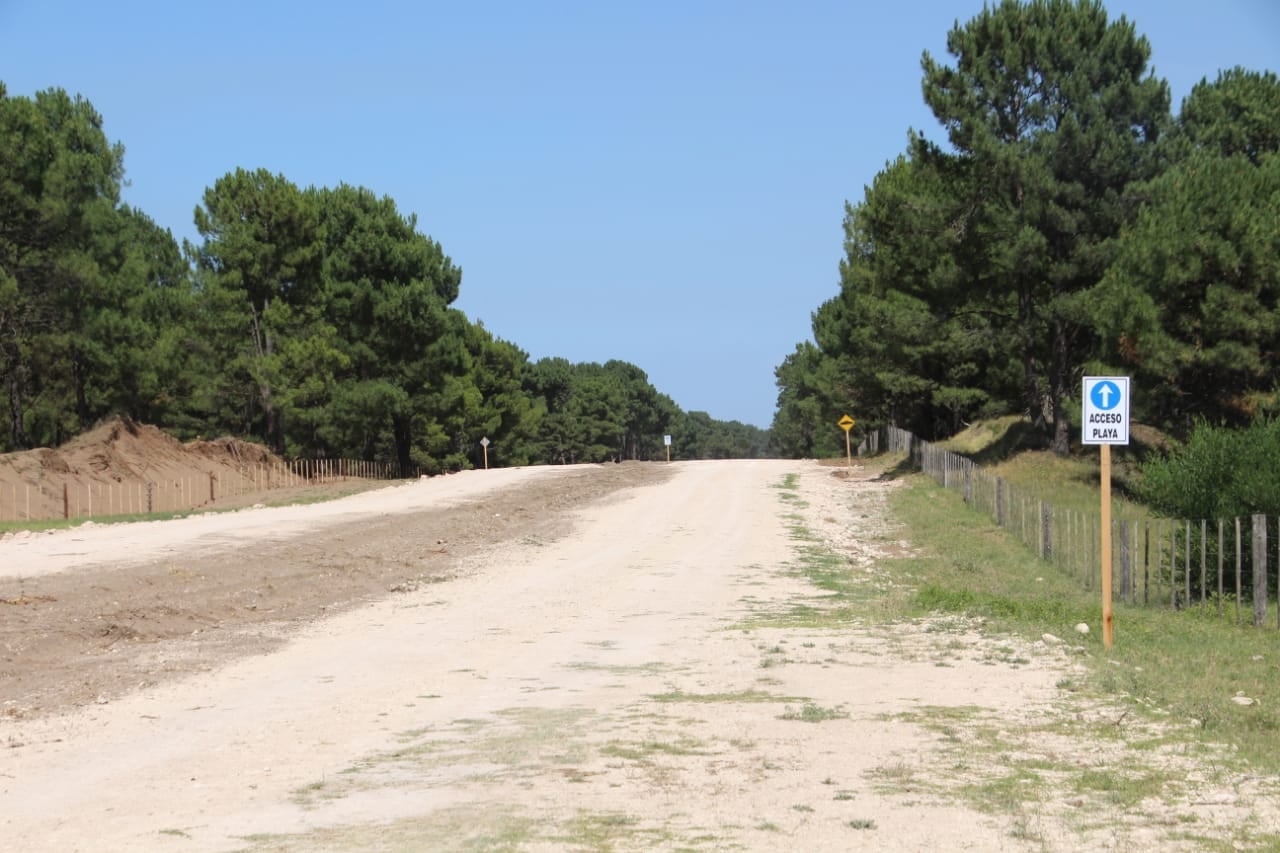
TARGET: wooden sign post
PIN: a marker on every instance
(1108, 617)
(1105, 422)
(484, 442)
(846, 424)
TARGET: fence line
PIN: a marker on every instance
(1176, 563)
(40, 500)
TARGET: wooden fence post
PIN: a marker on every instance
(1046, 531)
(1221, 544)
(1186, 565)
(1126, 557)
(1146, 562)
(1000, 509)
(1204, 553)
(1239, 560)
(1259, 569)
(1134, 548)
(1093, 548)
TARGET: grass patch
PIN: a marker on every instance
(602, 830)
(1121, 789)
(1180, 666)
(739, 697)
(1070, 482)
(452, 829)
(654, 668)
(516, 741)
(1010, 447)
(841, 595)
(72, 523)
(310, 796)
(812, 713)
(318, 495)
(1006, 790)
(642, 751)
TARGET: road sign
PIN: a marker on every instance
(1105, 421)
(484, 442)
(1106, 410)
(846, 424)
(666, 439)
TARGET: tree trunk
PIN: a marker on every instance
(402, 430)
(78, 378)
(275, 427)
(1030, 380)
(1059, 380)
(17, 432)
(264, 347)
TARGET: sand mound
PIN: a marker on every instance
(119, 450)
(120, 454)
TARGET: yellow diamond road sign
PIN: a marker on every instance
(846, 423)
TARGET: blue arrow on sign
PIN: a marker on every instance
(1105, 395)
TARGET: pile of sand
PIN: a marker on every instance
(117, 453)
(120, 450)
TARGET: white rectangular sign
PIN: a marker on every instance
(666, 439)
(1106, 410)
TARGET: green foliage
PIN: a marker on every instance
(697, 435)
(318, 320)
(1218, 473)
(261, 245)
(1070, 225)
(94, 297)
(908, 349)
(997, 606)
(1236, 115)
(386, 290)
(1053, 119)
(1191, 305)
(597, 413)
(809, 405)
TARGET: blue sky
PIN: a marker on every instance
(659, 182)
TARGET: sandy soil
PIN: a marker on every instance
(99, 610)
(105, 470)
(591, 658)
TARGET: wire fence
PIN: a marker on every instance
(1220, 564)
(71, 497)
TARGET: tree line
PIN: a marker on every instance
(1069, 225)
(317, 320)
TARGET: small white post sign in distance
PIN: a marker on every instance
(1106, 410)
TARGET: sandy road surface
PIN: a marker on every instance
(32, 555)
(629, 686)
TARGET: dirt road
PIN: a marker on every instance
(620, 667)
